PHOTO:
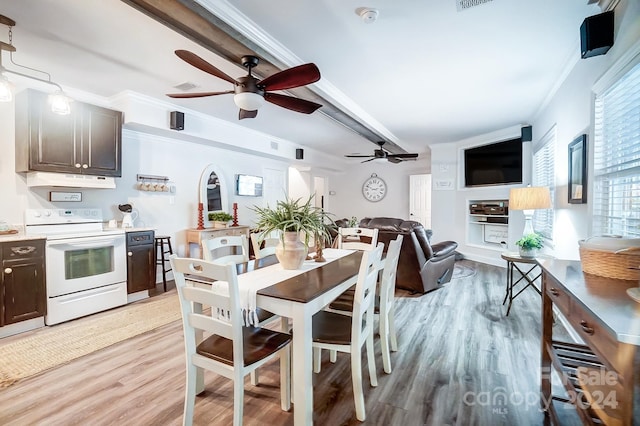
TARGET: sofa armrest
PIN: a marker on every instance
(444, 248)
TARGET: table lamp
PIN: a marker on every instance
(529, 199)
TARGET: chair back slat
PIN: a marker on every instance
(364, 297)
(264, 244)
(216, 249)
(357, 238)
(388, 280)
(196, 324)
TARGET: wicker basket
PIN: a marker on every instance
(622, 265)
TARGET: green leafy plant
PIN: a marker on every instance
(220, 217)
(530, 242)
(353, 222)
(295, 215)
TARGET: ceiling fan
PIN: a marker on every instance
(381, 153)
(250, 92)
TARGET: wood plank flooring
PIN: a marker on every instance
(461, 361)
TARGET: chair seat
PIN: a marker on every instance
(331, 328)
(258, 343)
(264, 315)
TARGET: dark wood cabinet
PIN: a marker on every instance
(22, 286)
(141, 261)
(86, 141)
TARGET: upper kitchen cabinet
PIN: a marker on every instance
(87, 141)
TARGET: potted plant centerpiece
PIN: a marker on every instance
(298, 222)
(220, 219)
(529, 245)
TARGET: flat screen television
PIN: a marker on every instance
(250, 186)
(498, 163)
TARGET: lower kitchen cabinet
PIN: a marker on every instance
(141, 261)
(22, 287)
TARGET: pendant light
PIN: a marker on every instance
(59, 101)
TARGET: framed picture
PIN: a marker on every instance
(578, 170)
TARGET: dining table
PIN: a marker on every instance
(298, 297)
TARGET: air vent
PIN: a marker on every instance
(274, 145)
(466, 4)
(187, 85)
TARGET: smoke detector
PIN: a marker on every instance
(367, 14)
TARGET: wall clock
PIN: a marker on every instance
(374, 188)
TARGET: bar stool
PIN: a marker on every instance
(163, 246)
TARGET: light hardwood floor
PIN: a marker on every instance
(461, 361)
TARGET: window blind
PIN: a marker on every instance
(544, 175)
(616, 206)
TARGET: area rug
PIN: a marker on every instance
(57, 345)
(462, 271)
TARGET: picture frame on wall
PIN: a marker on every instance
(578, 170)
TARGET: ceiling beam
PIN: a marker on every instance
(193, 21)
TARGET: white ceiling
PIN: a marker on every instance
(423, 73)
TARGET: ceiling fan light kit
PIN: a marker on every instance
(59, 101)
(250, 93)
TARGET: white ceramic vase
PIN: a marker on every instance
(293, 252)
(528, 252)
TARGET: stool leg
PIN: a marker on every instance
(164, 272)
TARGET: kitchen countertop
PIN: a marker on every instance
(20, 236)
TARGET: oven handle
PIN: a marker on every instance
(95, 242)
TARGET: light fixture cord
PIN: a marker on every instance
(23, 66)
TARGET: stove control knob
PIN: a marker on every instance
(47, 213)
(8, 270)
(36, 214)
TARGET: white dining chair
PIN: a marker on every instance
(228, 249)
(351, 238)
(220, 343)
(342, 333)
(384, 304)
(264, 245)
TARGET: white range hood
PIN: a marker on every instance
(35, 179)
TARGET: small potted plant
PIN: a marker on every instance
(220, 219)
(529, 245)
(295, 219)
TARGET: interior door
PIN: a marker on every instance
(420, 199)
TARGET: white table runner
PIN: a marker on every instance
(250, 282)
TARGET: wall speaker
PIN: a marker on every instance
(596, 34)
(177, 120)
(526, 133)
(299, 154)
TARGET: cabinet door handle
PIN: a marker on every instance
(8, 270)
(586, 328)
(84, 166)
(554, 292)
(23, 250)
(78, 165)
(129, 254)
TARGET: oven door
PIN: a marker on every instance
(83, 263)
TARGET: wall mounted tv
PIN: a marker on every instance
(498, 163)
(248, 185)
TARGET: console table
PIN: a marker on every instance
(195, 236)
(601, 377)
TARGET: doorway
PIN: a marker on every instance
(420, 199)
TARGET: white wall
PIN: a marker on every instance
(570, 108)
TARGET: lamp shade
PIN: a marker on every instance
(248, 101)
(529, 198)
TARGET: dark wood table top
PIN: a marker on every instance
(311, 284)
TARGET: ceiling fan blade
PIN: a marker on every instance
(247, 114)
(370, 159)
(293, 77)
(358, 156)
(402, 155)
(198, 94)
(294, 104)
(195, 60)
(394, 160)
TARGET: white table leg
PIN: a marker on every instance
(302, 367)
